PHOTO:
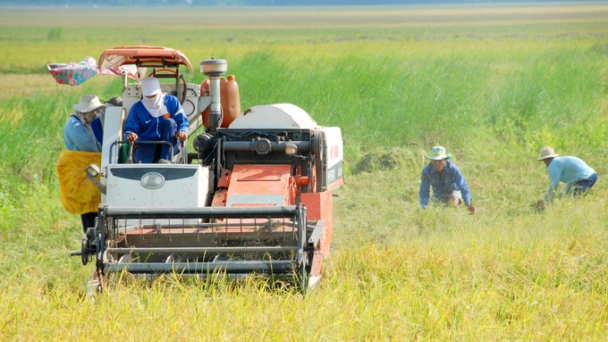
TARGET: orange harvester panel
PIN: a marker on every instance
(319, 207)
(259, 185)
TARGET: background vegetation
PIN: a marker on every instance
(493, 84)
(224, 3)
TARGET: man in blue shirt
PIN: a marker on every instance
(449, 186)
(157, 117)
(577, 175)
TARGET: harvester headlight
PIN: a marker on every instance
(152, 180)
(92, 170)
(291, 149)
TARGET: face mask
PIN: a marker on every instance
(152, 102)
(89, 117)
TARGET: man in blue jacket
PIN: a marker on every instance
(577, 175)
(157, 117)
(449, 186)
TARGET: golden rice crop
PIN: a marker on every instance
(492, 84)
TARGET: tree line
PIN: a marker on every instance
(246, 2)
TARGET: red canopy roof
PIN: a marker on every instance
(144, 56)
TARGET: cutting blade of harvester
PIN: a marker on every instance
(206, 241)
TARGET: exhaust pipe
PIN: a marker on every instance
(213, 68)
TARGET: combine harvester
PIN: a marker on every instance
(254, 197)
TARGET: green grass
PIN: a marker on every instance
(492, 93)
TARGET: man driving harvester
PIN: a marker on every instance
(157, 117)
(449, 186)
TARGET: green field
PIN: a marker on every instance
(493, 84)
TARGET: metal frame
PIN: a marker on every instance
(297, 265)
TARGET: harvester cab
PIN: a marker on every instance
(161, 63)
(255, 195)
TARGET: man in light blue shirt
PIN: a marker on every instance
(577, 175)
(449, 186)
(79, 136)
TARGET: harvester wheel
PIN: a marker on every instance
(85, 248)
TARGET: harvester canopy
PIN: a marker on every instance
(143, 56)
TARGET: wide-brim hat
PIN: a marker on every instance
(88, 103)
(547, 152)
(438, 153)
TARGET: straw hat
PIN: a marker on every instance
(547, 152)
(438, 153)
(88, 103)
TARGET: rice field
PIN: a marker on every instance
(492, 83)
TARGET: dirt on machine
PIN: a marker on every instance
(254, 195)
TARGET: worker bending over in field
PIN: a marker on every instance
(577, 175)
(449, 186)
(157, 117)
(80, 136)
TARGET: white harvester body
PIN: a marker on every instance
(158, 186)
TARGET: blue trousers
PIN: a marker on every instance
(152, 153)
(584, 184)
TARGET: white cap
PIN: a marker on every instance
(150, 86)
